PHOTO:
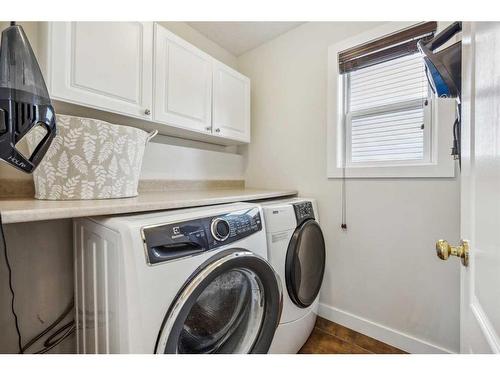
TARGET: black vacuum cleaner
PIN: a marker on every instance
(24, 100)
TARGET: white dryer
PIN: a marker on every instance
(181, 281)
(296, 250)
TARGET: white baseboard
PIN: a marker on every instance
(388, 335)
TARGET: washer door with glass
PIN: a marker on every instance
(305, 263)
(231, 304)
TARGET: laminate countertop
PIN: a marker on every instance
(19, 210)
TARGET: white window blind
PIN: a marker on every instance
(386, 112)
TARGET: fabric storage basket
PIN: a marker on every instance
(89, 159)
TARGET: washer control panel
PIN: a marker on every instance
(303, 211)
(233, 226)
(165, 242)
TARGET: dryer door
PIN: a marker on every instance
(305, 263)
(231, 304)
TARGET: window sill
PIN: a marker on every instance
(443, 170)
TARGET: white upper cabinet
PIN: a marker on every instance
(231, 103)
(105, 65)
(182, 83)
(142, 70)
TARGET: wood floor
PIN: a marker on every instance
(332, 338)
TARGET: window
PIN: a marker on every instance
(386, 117)
(382, 120)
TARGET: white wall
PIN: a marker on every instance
(173, 162)
(382, 276)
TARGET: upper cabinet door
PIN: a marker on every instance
(182, 83)
(105, 65)
(231, 104)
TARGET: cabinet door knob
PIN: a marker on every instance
(208, 128)
(147, 112)
(217, 130)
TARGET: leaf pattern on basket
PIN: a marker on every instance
(89, 159)
(113, 168)
(131, 150)
(119, 143)
(124, 166)
(80, 164)
(117, 185)
(68, 189)
(71, 137)
(49, 171)
(103, 135)
(87, 189)
(40, 182)
(89, 146)
(54, 148)
(63, 165)
(105, 192)
(105, 152)
(100, 175)
(55, 192)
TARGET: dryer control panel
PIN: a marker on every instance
(165, 242)
(303, 211)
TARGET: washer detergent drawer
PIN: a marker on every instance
(173, 241)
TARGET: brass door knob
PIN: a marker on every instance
(444, 250)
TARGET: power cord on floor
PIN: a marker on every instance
(12, 294)
(53, 340)
(49, 343)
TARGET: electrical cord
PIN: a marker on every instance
(12, 293)
(48, 344)
(454, 150)
(343, 198)
(68, 327)
(51, 341)
(459, 134)
(457, 138)
(67, 330)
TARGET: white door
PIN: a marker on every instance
(231, 104)
(480, 188)
(105, 65)
(182, 83)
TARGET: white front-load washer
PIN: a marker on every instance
(180, 281)
(296, 250)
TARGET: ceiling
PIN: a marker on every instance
(240, 37)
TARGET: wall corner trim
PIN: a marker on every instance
(388, 335)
